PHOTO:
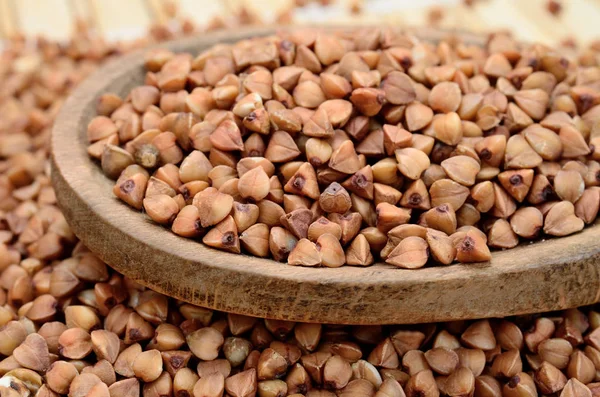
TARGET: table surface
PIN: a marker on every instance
(118, 19)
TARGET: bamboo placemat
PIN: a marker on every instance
(528, 19)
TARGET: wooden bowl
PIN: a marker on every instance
(543, 276)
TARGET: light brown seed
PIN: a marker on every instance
(368, 101)
(308, 335)
(447, 128)
(561, 220)
(504, 204)
(581, 367)
(244, 215)
(440, 246)
(422, 384)
(318, 126)
(337, 372)
(213, 206)
(471, 247)
(549, 379)
(519, 154)
(243, 384)
(331, 251)
(442, 360)
(556, 351)
(358, 387)
(364, 370)
(461, 169)
(479, 335)
(517, 182)
(473, 359)
(445, 97)
(359, 252)
(187, 223)
(211, 385)
(335, 86)
(388, 216)
(412, 162)
(395, 137)
(501, 235)
(318, 151)
(520, 385)
(114, 160)
(487, 386)
(304, 182)
(338, 111)
(345, 159)
(335, 199)
(298, 380)
(254, 184)
(573, 142)
(270, 212)
(220, 365)
(586, 208)
(544, 141)
(569, 185)
(205, 343)
(491, 149)
(161, 208)
(271, 365)
(105, 344)
(309, 94)
(236, 350)
(527, 222)
(124, 363)
(543, 329)
(366, 79)
(255, 239)
(447, 191)
(387, 194)
(398, 88)
(575, 388)
(33, 353)
(322, 226)
(257, 120)
(460, 383)
(60, 375)
(227, 137)
(161, 386)
(131, 185)
(384, 355)
(533, 102)
(99, 128)
(83, 384)
(417, 116)
(507, 364)
(411, 253)
(104, 370)
(195, 167)
(305, 253)
(441, 218)
(361, 183)
(167, 336)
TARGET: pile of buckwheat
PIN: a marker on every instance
(69, 325)
(333, 148)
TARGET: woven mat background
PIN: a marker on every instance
(121, 19)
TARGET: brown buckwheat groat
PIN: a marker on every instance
(281, 143)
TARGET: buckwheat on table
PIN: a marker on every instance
(69, 325)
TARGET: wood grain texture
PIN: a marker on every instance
(549, 275)
(527, 19)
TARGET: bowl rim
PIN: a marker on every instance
(544, 276)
